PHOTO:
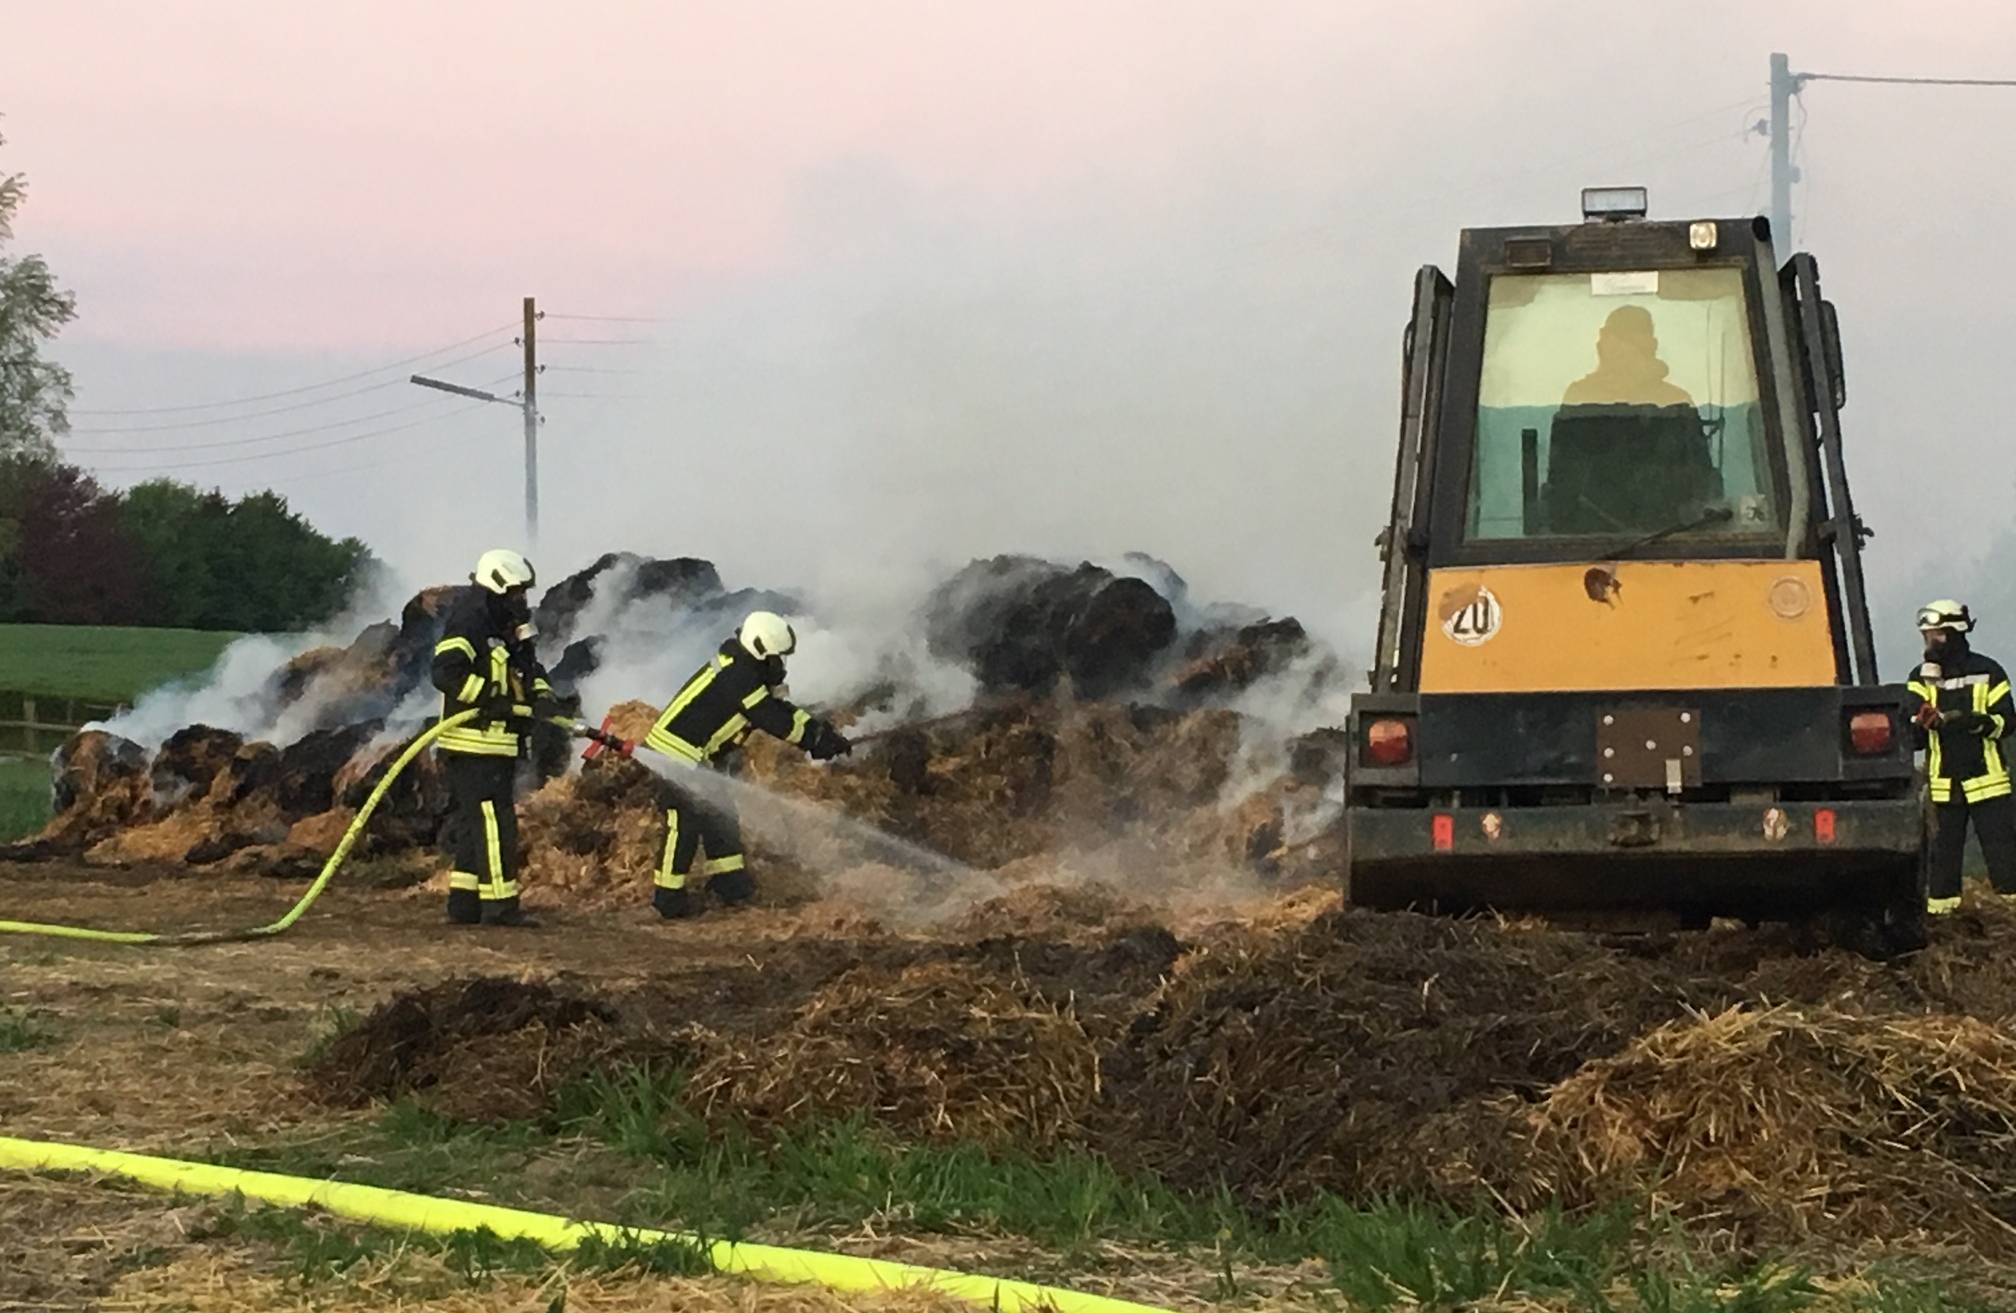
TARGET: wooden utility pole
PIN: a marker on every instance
(529, 399)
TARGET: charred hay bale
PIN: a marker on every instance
(935, 1051)
(678, 582)
(1116, 766)
(1021, 624)
(1287, 1063)
(1319, 758)
(414, 809)
(481, 1049)
(1226, 659)
(99, 785)
(1790, 1123)
(305, 783)
(578, 660)
(94, 764)
(190, 761)
(252, 773)
(291, 681)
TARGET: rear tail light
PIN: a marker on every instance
(1389, 742)
(1870, 732)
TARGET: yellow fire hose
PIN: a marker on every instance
(419, 1212)
(293, 914)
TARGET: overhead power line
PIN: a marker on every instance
(211, 421)
(1909, 82)
(606, 319)
(290, 451)
(401, 363)
(167, 449)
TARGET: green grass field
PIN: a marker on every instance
(24, 797)
(101, 664)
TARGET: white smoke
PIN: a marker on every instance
(237, 693)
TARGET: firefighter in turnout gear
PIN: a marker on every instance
(739, 691)
(485, 662)
(1960, 699)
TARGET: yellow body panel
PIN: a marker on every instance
(1626, 625)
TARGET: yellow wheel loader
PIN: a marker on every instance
(1624, 662)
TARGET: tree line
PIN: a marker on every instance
(158, 554)
(161, 554)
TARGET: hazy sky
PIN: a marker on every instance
(931, 280)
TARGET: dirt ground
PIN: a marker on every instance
(1769, 1090)
(193, 1052)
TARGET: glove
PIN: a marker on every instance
(1966, 722)
(501, 706)
(1926, 717)
(546, 707)
(823, 742)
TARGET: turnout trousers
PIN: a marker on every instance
(484, 829)
(1994, 821)
(695, 825)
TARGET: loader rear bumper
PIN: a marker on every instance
(1745, 859)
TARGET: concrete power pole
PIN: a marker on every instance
(1783, 85)
(528, 405)
(530, 400)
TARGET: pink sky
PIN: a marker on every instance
(271, 174)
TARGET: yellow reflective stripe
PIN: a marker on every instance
(1942, 906)
(694, 687)
(1923, 690)
(799, 721)
(736, 724)
(457, 644)
(478, 745)
(671, 745)
(667, 878)
(463, 880)
(1991, 757)
(494, 850)
(1996, 694)
(756, 697)
(471, 689)
(540, 685)
(723, 865)
(1934, 755)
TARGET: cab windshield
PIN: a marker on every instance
(1619, 405)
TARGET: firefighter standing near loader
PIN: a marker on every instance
(738, 691)
(1961, 700)
(485, 663)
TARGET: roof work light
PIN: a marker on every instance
(1612, 204)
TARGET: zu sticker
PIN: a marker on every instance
(1470, 615)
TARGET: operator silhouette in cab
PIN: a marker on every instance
(1627, 451)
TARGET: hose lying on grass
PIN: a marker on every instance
(419, 1212)
(293, 914)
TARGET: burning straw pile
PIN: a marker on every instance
(1789, 1122)
(932, 1052)
(1105, 709)
(1351, 1054)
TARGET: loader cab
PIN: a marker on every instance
(1586, 398)
(1623, 606)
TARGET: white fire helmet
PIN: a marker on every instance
(1946, 614)
(500, 569)
(765, 634)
